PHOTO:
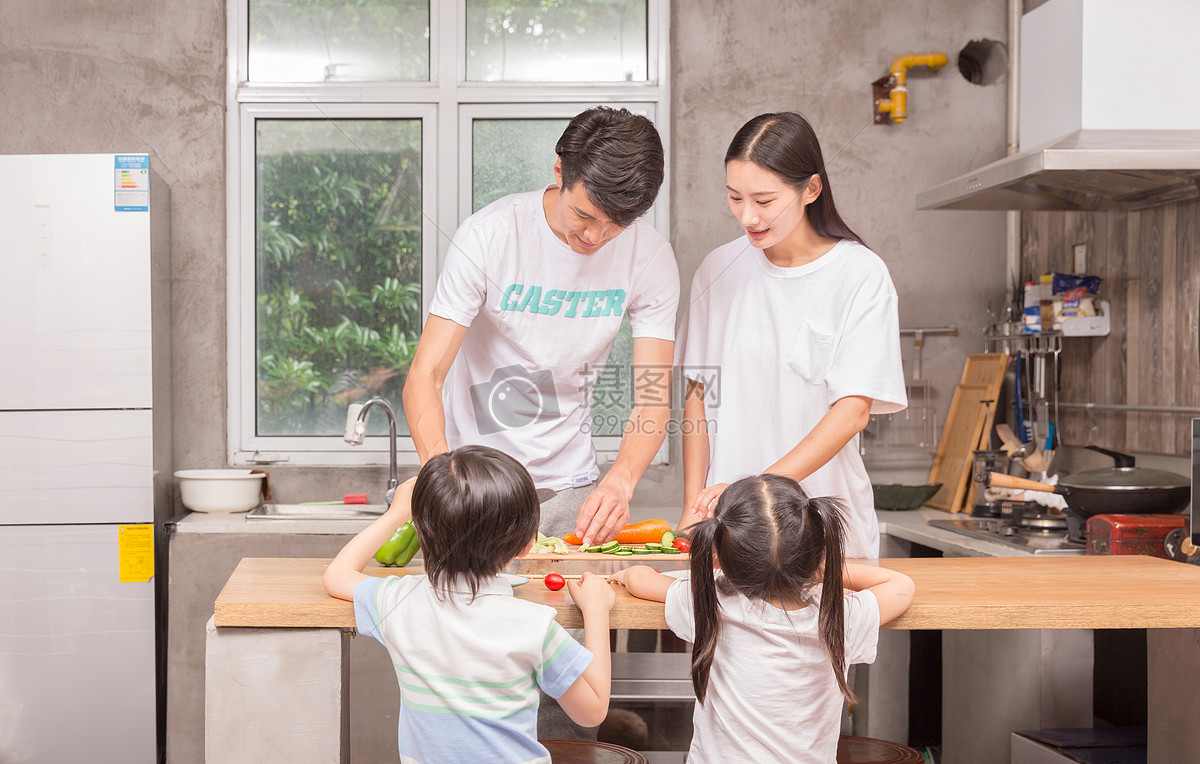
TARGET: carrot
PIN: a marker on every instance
(571, 538)
(646, 530)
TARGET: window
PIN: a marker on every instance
(361, 135)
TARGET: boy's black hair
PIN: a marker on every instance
(618, 156)
(474, 509)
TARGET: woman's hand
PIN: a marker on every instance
(706, 501)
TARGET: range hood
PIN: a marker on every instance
(1085, 170)
(1105, 113)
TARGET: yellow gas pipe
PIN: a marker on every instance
(896, 104)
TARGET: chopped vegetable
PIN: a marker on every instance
(571, 538)
(646, 530)
(668, 539)
(683, 545)
(554, 582)
(548, 545)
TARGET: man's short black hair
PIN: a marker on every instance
(474, 509)
(618, 156)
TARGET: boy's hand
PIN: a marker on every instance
(401, 506)
(592, 592)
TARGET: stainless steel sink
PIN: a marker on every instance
(316, 512)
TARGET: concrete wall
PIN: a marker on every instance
(121, 75)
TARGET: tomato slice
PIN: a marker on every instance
(554, 582)
(682, 545)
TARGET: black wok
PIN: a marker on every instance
(1121, 489)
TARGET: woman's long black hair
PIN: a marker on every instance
(775, 544)
(784, 143)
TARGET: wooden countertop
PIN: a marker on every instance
(1118, 592)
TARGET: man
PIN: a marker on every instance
(525, 313)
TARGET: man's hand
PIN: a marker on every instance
(604, 512)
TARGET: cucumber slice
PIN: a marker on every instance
(642, 550)
(611, 546)
(671, 550)
(668, 538)
(624, 553)
(591, 549)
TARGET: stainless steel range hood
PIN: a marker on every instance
(1086, 170)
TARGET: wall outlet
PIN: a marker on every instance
(1080, 253)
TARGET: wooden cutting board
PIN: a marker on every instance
(983, 369)
(574, 554)
(960, 437)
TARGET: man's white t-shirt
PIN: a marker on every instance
(542, 320)
(777, 347)
(772, 694)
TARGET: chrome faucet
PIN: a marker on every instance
(356, 430)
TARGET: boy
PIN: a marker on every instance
(526, 310)
(469, 656)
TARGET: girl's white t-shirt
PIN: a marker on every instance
(776, 347)
(772, 695)
(542, 320)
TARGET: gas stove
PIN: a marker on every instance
(1022, 527)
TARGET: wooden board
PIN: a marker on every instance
(960, 437)
(1083, 592)
(599, 557)
(984, 369)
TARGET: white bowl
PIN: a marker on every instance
(220, 490)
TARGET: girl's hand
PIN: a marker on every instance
(592, 592)
(618, 577)
(706, 501)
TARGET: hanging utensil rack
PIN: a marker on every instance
(916, 425)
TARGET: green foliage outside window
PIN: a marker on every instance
(338, 265)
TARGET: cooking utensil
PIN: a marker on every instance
(900, 497)
(1121, 489)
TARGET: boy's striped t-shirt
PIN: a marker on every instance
(469, 671)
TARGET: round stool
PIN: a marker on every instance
(590, 752)
(868, 750)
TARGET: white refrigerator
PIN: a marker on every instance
(84, 456)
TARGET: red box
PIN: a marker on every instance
(1131, 534)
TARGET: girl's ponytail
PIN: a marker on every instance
(825, 519)
(704, 604)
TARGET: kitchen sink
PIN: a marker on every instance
(316, 512)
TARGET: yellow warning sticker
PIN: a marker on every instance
(136, 549)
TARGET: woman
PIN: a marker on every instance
(791, 339)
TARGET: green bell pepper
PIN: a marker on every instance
(400, 547)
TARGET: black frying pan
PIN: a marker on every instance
(1087, 500)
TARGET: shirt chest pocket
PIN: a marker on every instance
(811, 354)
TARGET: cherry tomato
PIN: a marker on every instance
(554, 582)
(682, 545)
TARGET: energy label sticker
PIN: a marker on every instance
(132, 179)
(135, 547)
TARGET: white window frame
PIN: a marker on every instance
(446, 105)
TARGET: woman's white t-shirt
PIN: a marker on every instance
(776, 347)
(772, 695)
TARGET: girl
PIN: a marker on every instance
(773, 631)
(792, 338)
